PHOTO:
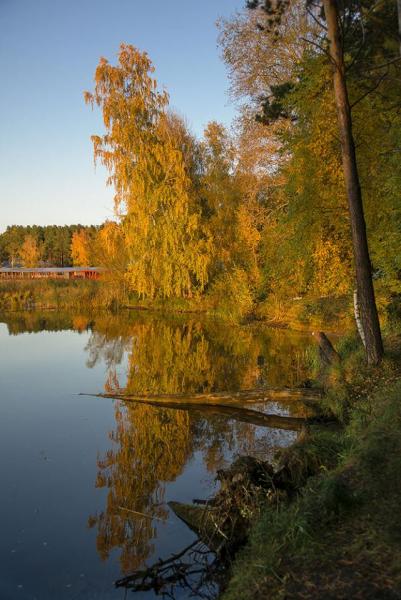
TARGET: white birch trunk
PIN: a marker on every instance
(358, 318)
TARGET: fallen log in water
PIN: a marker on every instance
(223, 522)
(237, 412)
(253, 396)
(210, 524)
(201, 521)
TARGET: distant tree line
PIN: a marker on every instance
(49, 245)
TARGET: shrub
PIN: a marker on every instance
(231, 295)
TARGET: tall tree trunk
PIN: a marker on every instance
(364, 284)
(399, 21)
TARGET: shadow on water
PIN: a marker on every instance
(152, 446)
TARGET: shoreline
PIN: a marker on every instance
(347, 484)
(96, 295)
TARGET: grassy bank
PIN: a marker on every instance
(54, 294)
(87, 294)
(341, 535)
(232, 305)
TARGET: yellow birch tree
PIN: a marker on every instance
(168, 252)
(30, 252)
(80, 248)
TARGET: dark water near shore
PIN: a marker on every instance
(77, 470)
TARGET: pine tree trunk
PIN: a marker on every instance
(364, 284)
(399, 21)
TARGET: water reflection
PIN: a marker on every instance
(174, 356)
(151, 446)
(181, 354)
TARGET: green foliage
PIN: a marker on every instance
(394, 313)
(275, 106)
(54, 242)
(312, 453)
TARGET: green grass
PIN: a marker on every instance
(341, 536)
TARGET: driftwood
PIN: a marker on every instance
(248, 396)
(225, 398)
(202, 521)
(230, 411)
(223, 522)
(195, 569)
(222, 525)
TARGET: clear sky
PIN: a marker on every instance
(49, 50)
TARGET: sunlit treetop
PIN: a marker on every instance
(167, 249)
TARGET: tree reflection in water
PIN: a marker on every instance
(151, 446)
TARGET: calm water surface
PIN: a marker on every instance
(77, 470)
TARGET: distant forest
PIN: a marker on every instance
(50, 245)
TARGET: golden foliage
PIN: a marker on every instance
(150, 448)
(30, 252)
(149, 445)
(80, 248)
(110, 251)
(331, 273)
(168, 252)
(230, 192)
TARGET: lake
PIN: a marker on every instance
(86, 480)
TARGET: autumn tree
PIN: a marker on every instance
(220, 196)
(30, 252)
(256, 64)
(166, 246)
(80, 248)
(354, 36)
(109, 248)
(233, 214)
(12, 241)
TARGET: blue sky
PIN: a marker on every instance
(49, 50)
